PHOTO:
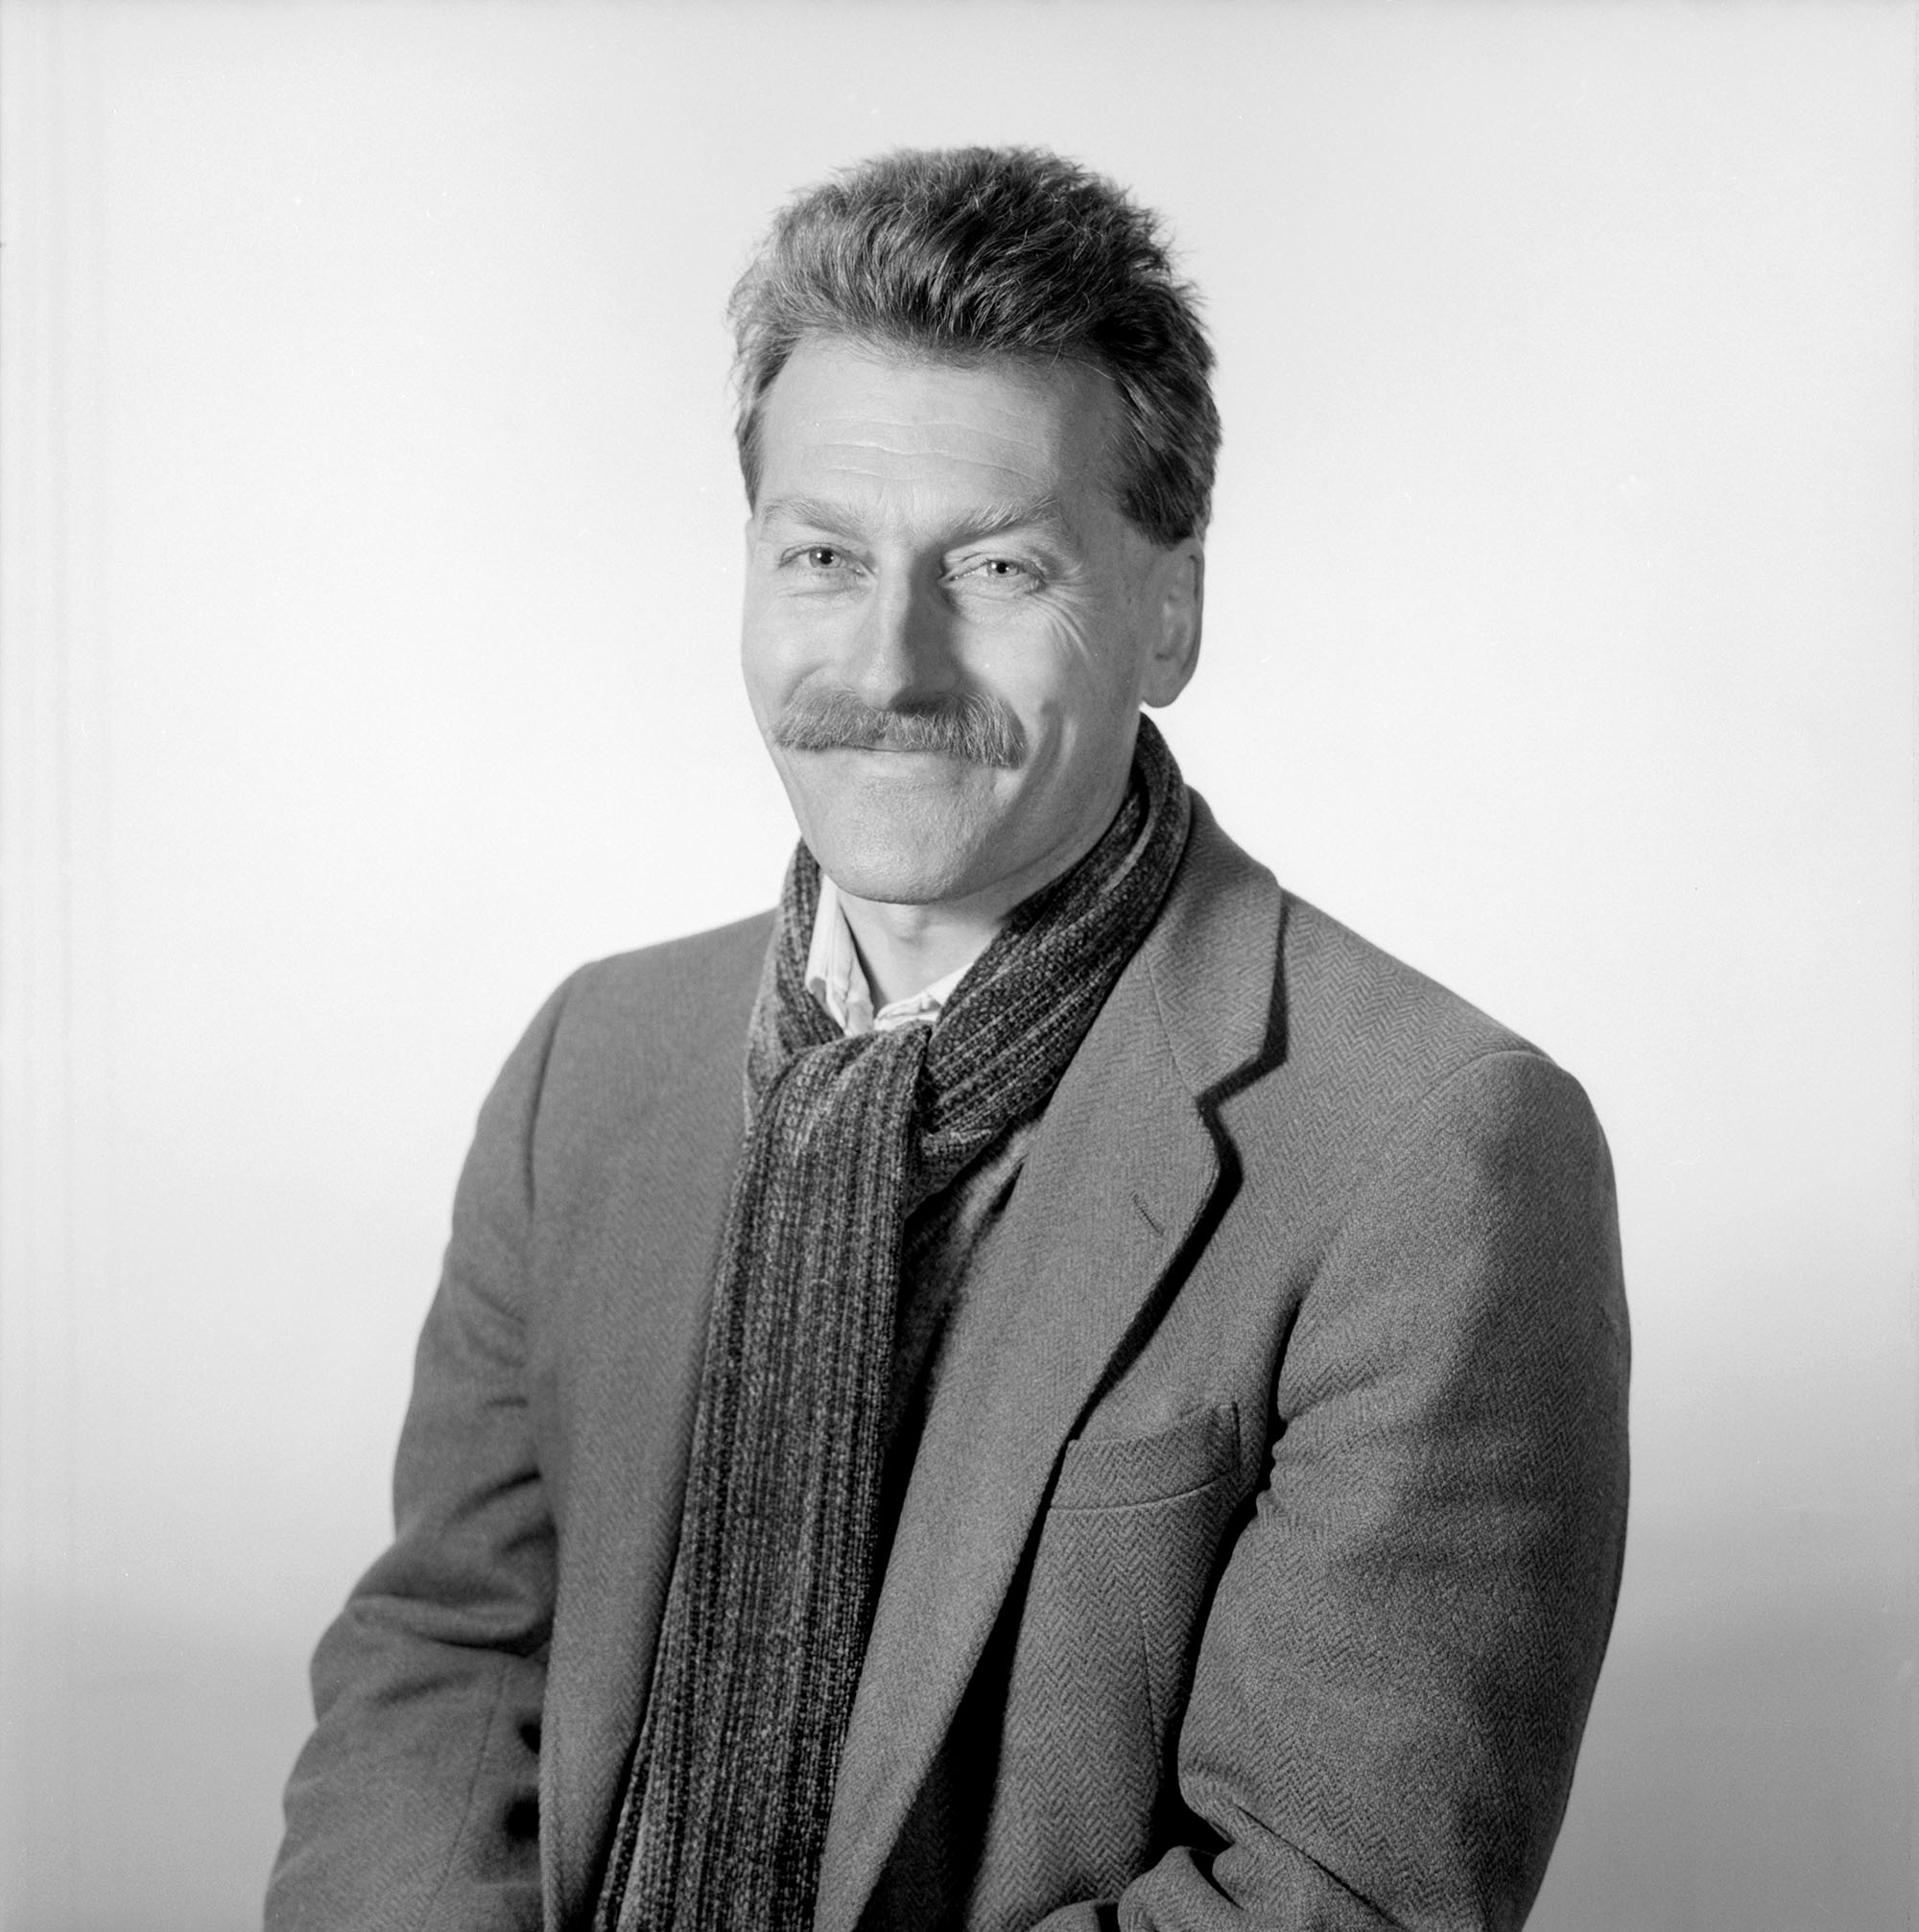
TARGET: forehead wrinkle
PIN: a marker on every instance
(1014, 446)
(899, 459)
(873, 449)
(857, 432)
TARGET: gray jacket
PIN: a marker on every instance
(1262, 1545)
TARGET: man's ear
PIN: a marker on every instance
(1179, 580)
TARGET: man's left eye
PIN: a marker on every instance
(1000, 570)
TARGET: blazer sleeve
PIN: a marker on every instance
(412, 1806)
(1396, 1668)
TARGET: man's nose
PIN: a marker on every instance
(902, 646)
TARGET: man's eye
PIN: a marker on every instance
(999, 571)
(822, 557)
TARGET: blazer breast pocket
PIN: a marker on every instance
(1122, 1472)
(1131, 1539)
(1126, 1558)
(1101, 1659)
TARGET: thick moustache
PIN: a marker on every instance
(980, 730)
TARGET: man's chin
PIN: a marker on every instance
(900, 882)
(922, 850)
(903, 865)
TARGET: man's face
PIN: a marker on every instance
(949, 624)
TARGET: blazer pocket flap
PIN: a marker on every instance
(1111, 1472)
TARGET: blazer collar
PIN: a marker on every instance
(1119, 1172)
(1213, 957)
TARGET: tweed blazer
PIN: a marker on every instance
(1262, 1543)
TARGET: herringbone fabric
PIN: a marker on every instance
(1365, 1685)
(726, 1806)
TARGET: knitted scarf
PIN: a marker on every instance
(767, 1616)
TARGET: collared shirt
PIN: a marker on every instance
(836, 979)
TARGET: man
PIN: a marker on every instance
(1048, 1380)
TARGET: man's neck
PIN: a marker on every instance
(905, 948)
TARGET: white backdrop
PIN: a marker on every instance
(368, 564)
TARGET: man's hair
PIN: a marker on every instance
(960, 253)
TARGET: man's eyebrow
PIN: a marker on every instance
(808, 510)
(1043, 513)
(1040, 513)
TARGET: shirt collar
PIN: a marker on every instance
(836, 979)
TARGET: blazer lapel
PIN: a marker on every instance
(1119, 1175)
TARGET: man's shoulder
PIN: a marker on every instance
(1363, 1062)
(1347, 1026)
(678, 1008)
(1350, 998)
(716, 970)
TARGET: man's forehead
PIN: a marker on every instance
(844, 425)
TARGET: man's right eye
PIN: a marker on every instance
(820, 566)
